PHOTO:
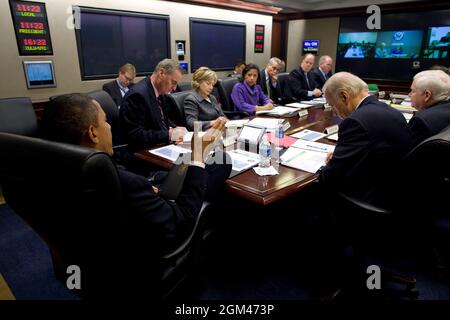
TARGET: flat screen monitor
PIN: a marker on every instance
(310, 46)
(39, 74)
(399, 44)
(357, 44)
(437, 43)
(218, 45)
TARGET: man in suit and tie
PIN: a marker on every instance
(268, 79)
(373, 138)
(143, 117)
(430, 96)
(301, 83)
(120, 86)
(323, 72)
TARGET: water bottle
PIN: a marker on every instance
(264, 153)
(279, 136)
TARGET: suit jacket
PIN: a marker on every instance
(430, 121)
(275, 92)
(318, 77)
(372, 141)
(141, 123)
(298, 87)
(197, 108)
(165, 223)
(114, 91)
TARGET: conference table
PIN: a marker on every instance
(265, 190)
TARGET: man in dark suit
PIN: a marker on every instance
(323, 72)
(373, 138)
(429, 95)
(120, 86)
(80, 120)
(143, 117)
(237, 72)
(301, 83)
(268, 80)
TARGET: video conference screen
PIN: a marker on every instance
(406, 44)
(107, 39)
(219, 45)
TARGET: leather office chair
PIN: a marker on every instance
(425, 172)
(283, 80)
(224, 89)
(175, 107)
(71, 196)
(184, 86)
(17, 116)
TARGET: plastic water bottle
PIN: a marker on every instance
(264, 153)
(279, 136)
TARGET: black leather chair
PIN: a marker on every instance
(71, 196)
(184, 86)
(224, 89)
(283, 80)
(420, 212)
(111, 110)
(175, 107)
(17, 116)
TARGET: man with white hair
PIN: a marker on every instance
(373, 138)
(429, 95)
(268, 79)
(323, 72)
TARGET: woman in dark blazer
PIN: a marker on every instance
(201, 105)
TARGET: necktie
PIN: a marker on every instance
(307, 80)
(163, 122)
(269, 94)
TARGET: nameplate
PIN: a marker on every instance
(332, 129)
(302, 113)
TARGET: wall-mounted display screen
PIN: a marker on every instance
(39, 74)
(107, 39)
(31, 28)
(218, 45)
(310, 46)
(407, 43)
(437, 43)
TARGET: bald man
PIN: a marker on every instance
(301, 82)
(429, 95)
(323, 72)
(373, 138)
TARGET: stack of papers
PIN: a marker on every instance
(309, 135)
(278, 111)
(236, 123)
(313, 102)
(268, 123)
(298, 105)
(243, 160)
(170, 152)
(306, 156)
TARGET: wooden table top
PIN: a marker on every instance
(268, 189)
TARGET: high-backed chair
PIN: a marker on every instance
(424, 171)
(112, 112)
(71, 196)
(185, 86)
(175, 107)
(17, 116)
(283, 80)
(224, 88)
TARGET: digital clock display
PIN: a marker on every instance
(31, 27)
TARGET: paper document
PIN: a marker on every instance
(313, 146)
(236, 123)
(270, 171)
(267, 123)
(299, 105)
(243, 160)
(309, 135)
(312, 102)
(188, 136)
(170, 152)
(277, 111)
(333, 137)
(306, 160)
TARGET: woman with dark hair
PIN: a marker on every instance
(247, 95)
